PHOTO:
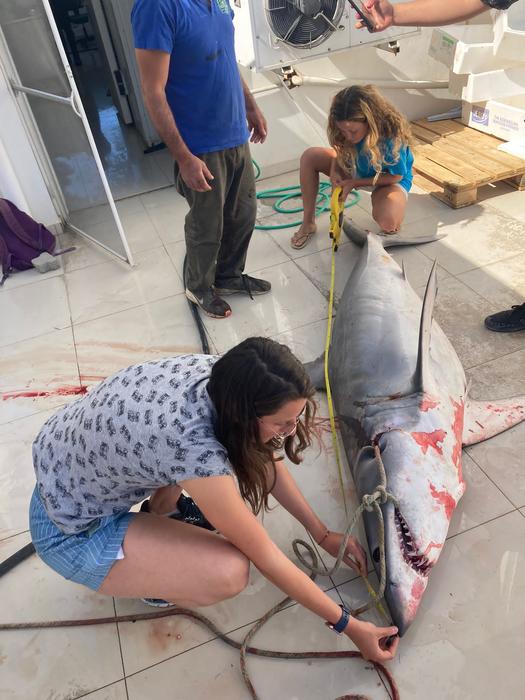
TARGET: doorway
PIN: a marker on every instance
(34, 62)
(96, 35)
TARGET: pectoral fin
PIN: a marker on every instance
(484, 419)
(315, 370)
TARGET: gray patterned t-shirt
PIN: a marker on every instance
(149, 425)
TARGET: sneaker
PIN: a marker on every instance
(187, 511)
(210, 303)
(243, 285)
(507, 321)
(157, 602)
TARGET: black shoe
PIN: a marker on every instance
(188, 512)
(243, 285)
(507, 321)
(211, 303)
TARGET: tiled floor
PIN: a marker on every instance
(75, 327)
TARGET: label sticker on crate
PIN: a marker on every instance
(480, 115)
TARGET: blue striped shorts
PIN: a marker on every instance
(85, 557)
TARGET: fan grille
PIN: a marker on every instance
(291, 27)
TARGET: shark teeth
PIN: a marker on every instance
(418, 562)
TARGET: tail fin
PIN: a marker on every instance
(421, 375)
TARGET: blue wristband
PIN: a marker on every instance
(341, 624)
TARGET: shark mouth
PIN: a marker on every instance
(418, 562)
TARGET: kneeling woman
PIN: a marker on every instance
(206, 424)
(369, 149)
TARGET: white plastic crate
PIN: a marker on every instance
(502, 118)
(495, 85)
(509, 32)
(468, 49)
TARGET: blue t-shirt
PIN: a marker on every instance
(403, 166)
(204, 89)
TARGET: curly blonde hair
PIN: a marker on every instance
(364, 103)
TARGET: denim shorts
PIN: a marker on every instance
(85, 557)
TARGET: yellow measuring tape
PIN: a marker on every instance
(336, 225)
(336, 222)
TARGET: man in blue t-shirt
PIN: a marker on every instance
(204, 112)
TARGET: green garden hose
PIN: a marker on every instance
(285, 194)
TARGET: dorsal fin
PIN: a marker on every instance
(421, 375)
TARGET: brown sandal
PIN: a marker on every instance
(302, 237)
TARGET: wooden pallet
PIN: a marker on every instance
(452, 160)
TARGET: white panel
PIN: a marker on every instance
(258, 48)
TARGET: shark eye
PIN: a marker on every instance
(376, 556)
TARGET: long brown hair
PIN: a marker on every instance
(364, 103)
(252, 380)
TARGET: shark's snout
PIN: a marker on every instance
(407, 569)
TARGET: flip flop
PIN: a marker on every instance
(303, 238)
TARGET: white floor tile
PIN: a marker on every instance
(282, 309)
(33, 309)
(56, 663)
(474, 603)
(167, 210)
(17, 476)
(307, 342)
(318, 268)
(141, 234)
(460, 313)
(158, 329)
(472, 239)
(501, 378)
(115, 691)
(502, 283)
(85, 253)
(481, 502)
(20, 278)
(216, 666)
(263, 252)
(501, 458)
(417, 265)
(46, 365)
(509, 201)
(115, 287)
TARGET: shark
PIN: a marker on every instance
(400, 392)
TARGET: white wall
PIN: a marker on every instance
(20, 177)
(288, 137)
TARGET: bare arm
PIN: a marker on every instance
(420, 13)
(153, 69)
(432, 13)
(221, 503)
(288, 494)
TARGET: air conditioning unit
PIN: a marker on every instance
(274, 33)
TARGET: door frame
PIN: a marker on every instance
(119, 88)
(36, 142)
(38, 145)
